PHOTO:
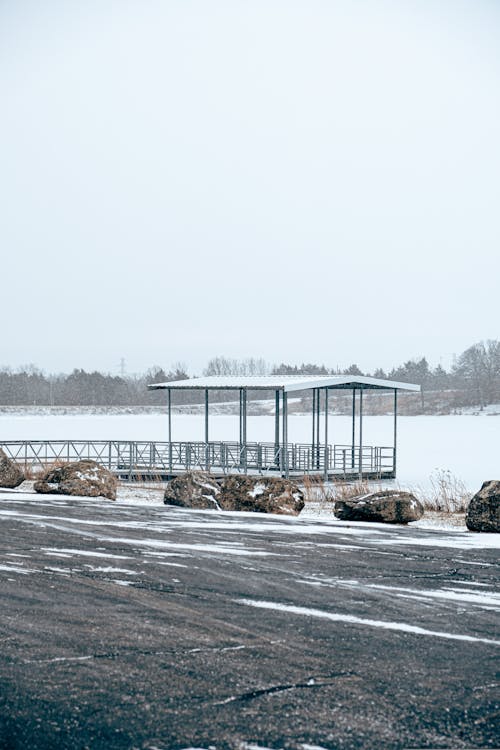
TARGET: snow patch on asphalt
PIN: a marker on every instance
(458, 540)
(453, 594)
(15, 569)
(351, 619)
(83, 553)
(215, 548)
(110, 569)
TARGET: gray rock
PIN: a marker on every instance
(10, 473)
(385, 506)
(483, 512)
(195, 489)
(85, 478)
(261, 495)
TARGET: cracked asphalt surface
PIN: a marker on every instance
(155, 627)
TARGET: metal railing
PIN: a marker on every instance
(135, 458)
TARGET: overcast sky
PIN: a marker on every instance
(302, 181)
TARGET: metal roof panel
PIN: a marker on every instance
(287, 384)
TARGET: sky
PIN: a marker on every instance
(309, 181)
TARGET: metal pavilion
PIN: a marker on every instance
(280, 456)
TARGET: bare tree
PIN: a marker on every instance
(225, 367)
(480, 365)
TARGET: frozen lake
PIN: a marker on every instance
(468, 446)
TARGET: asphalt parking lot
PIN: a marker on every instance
(155, 627)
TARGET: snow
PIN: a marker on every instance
(91, 476)
(490, 598)
(376, 533)
(351, 619)
(287, 383)
(485, 599)
(458, 540)
(110, 569)
(486, 411)
(464, 444)
(14, 569)
(258, 489)
(220, 549)
(83, 553)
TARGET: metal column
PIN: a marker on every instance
(318, 407)
(285, 434)
(241, 417)
(395, 430)
(353, 438)
(326, 435)
(207, 455)
(313, 442)
(244, 427)
(169, 391)
(361, 433)
(276, 424)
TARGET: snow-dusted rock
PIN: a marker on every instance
(195, 489)
(199, 489)
(10, 473)
(85, 478)
(261, 495)
(385, 506)
(483, 513)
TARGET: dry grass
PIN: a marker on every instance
(32, 472)
(317, 490)
(153, 482)
(448, 493)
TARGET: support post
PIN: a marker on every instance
(394, 456)
(353, 438)
(131, 460)
(170, 430)
(285, 434)
(326, 435)
(244, 434)
(313, 449)
(169, 392)
(207, 456)
(241, 418)
(361, 434)
(276, 423)
(318, 408)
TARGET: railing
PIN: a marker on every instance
(133, 458)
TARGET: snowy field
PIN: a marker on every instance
(465, 445)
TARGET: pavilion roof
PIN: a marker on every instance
(285, 383)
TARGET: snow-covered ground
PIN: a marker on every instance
(316, 516)
(465, 445)
(151, 494)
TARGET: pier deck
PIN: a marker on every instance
(151, 459)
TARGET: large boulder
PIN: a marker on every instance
(483, 512)
(195, 489)
(201, 490)
(261, 495)
(10, 473)
(385, 506)
(85, 478)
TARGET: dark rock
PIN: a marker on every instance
(195, 489)
(201, 490)
(483, 513)
(261, 495)
(385, 506)
(10, 473)
(85, 478)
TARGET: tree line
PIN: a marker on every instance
(473, 380)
